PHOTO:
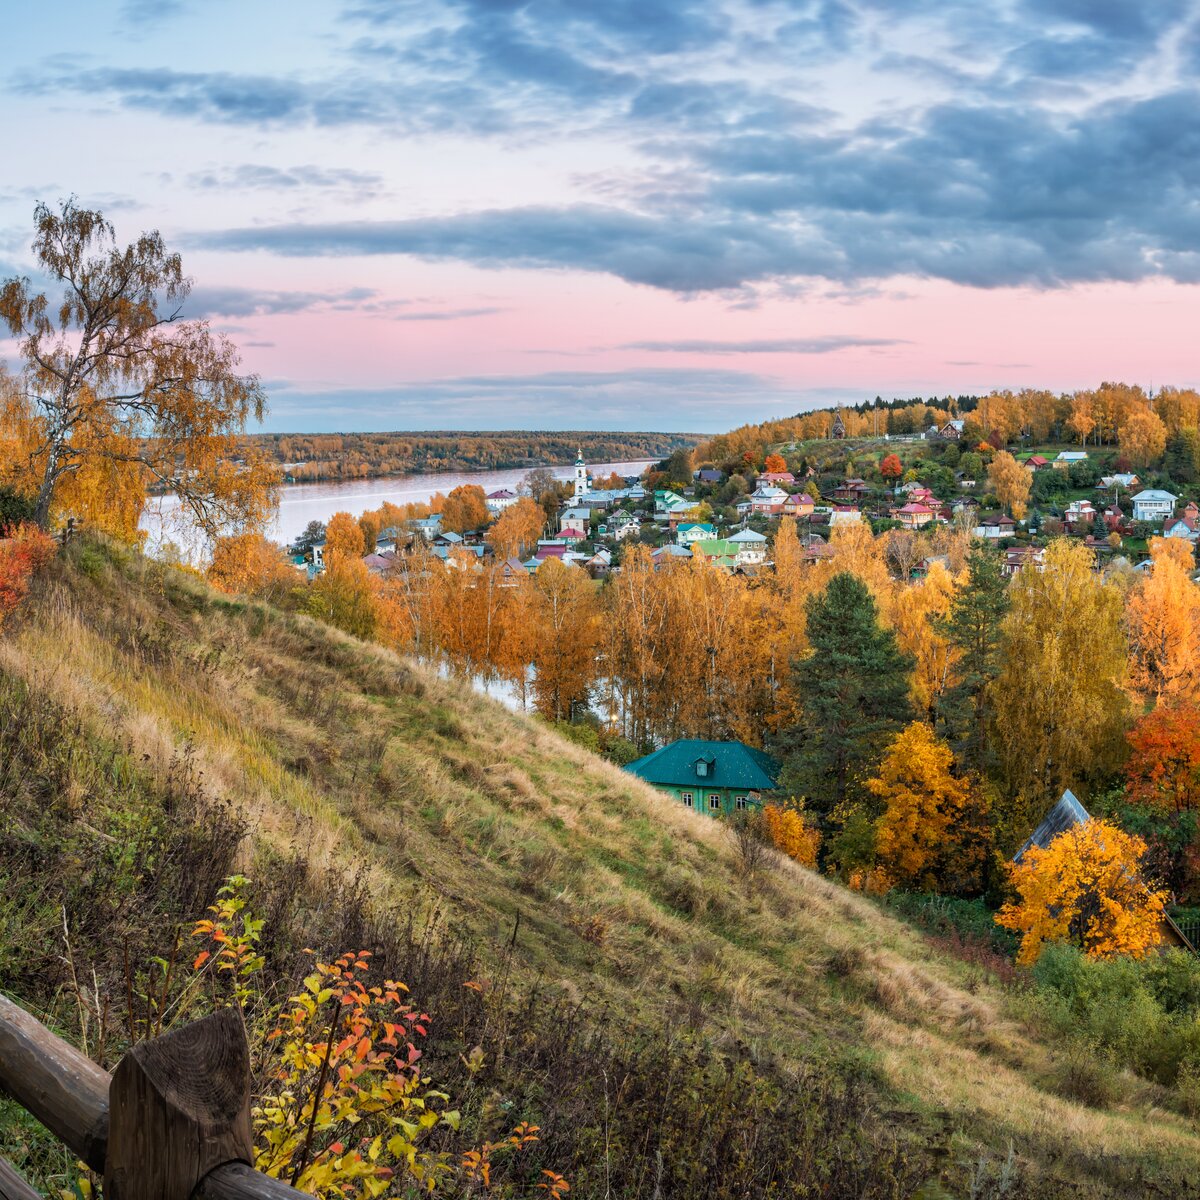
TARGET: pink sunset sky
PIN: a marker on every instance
(661, 214)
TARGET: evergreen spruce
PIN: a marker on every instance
(973, 627)
(854, 686)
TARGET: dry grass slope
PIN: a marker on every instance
(443, 800)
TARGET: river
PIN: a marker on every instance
(300, 503)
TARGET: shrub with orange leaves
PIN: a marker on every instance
(791, 834)
(1085, 888)
(26, 550)
(248, 564)
(348, 1110)
(1163, 770)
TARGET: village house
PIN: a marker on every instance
(427, 527)
(751, 547)
(952, 430)
(913, 515)
(800, 505)
(1124, 479)
(512, 571)
(1153, 505)
(852, 491)
(777, 477)
(995, 526)
(619, 526)
(707, 475)
(694, 531)
(716, 778)
(1182, 527)
(1022, 556)
(378, 564)
(577, 519)
(498, 501)
(768, 500)
(1035, 462)
(1067, 458)
(665, 499)
(718, 552)
(670, 553)
(1080, 512)
(844, 514)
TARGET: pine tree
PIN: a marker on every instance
(854, 690)
(972, 627)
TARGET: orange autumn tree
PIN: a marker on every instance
(344, 535)
(1142, 437)
(565, 611)
(1163, 770)
(517, 529)
(774, 464)
(791, 834)
(891, 467)
(247, 564)
(925, 810)
(1085, 888)
(1162, 617)
(118, 391)
(465, 508)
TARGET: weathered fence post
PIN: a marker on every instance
(179, 1107)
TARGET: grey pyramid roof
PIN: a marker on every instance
(1066, 813)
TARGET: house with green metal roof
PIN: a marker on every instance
(718, 778)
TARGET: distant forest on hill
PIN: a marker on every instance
(314, 457)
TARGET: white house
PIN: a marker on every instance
(1067, 457)
(1153, 505)
(751, 547)
(768, 499)
(498, 501)
(843, 514)
(694, 531)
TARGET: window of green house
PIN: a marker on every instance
(739, 802)
(686, 797)
(714, 802)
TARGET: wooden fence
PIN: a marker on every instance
(171, 1122)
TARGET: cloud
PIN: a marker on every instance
(261, 176)
(450, 314)
(260, 302)
(827, 344)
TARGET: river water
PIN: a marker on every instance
(300, 503)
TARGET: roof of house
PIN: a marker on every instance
(1186, 522)
(672, 551)
(692, 526)
(502, 494)
(747, 535)
(716, 548)
(731, 765)
(573, 535)
(1155, 494)
(450, 536)
(1067, 813)
(708, 475)
(916, 508)
(1037, 460)
(1072, 455)
(801, 498)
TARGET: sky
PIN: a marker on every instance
(633, 214)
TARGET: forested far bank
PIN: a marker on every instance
(328, 457)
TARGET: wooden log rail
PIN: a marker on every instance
(171, 1122)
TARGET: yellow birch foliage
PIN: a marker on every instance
(1143, 437)
(1011, 483)
(1059, 700)
(923, 806)
(249, 565)
(1084, 888)
(1162, 617)
(934, 659)
(791, 834)
(517, 529)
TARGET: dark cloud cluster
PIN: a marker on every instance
(1016, 159)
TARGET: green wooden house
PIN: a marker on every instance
(717, 778)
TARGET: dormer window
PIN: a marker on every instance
(704, 767)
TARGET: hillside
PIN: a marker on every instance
(676, 1027)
